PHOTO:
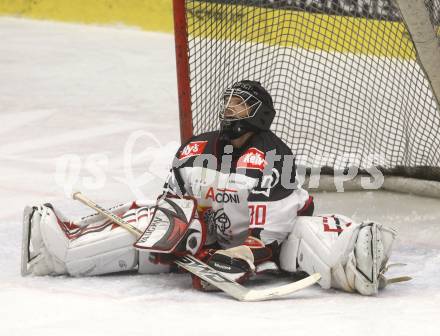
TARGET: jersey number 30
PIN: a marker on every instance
(257, 214)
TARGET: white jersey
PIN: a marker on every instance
(236, 195)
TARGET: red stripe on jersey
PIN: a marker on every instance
(226, 190)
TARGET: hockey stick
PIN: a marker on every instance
(238, 291)
(207, 273)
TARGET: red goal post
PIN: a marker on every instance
(182, 67)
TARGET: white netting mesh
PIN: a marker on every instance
(343, 75)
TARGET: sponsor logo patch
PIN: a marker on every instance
(223, 195)
(252, 159)
(192, 149)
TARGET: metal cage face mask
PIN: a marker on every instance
(231, 111)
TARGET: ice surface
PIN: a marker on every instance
(100, 94)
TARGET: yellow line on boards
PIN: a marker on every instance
(153, 15)
(310, 31)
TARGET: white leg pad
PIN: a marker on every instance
(310, 262)
(54, 252)
(88, 247)
(349, 256)
(289, 253)
(306, 250)
(48, 243)
(102, 252)
(118, 260)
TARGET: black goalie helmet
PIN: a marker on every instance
(246, 106)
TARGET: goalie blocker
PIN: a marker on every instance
(349, 256)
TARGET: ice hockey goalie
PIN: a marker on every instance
(232, 201)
